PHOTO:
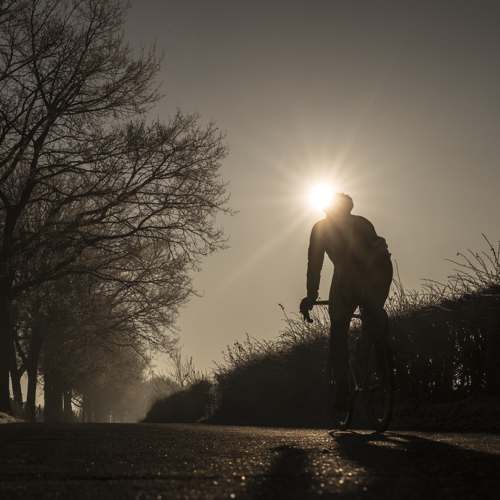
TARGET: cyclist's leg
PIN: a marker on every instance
(378, 373)
(339, 350)
(341, 308)
(376, 290)
(378, 283)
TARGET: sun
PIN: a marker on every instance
(321, 195)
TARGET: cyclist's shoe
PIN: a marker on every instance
(341, 402)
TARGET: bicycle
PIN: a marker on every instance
(371, 376)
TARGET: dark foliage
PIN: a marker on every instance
(449, 351)
(187, 405)
(276, 390)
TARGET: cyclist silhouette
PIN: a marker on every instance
(362, 277)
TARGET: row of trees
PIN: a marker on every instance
(102, 213)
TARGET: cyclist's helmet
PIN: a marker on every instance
(341, 204)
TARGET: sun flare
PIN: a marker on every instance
(321, 195)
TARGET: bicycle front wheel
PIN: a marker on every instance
(341, 418)
(378, 384)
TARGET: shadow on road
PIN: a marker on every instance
(288, 477)
(413, 466)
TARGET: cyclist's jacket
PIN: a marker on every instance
(349, 240)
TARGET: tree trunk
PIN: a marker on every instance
(90, 408)
(15, 376)
(100, 413)
(32, 371)
(53, 396)
(86, 408)
(5, 345)
(68, 410)
(17, 392)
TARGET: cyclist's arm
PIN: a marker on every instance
(315, 258)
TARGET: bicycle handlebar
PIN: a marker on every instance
(326, 303)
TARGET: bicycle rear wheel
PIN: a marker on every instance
(342, 419)
(378, 383)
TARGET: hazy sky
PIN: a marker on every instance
(395, 102)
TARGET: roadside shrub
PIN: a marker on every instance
(278, 382)
(447, 338)
(186, 405)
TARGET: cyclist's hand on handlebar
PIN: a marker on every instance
(305, 306)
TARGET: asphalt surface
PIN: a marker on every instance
(196, 461)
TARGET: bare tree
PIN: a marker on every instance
(85, 181)
(183, 372)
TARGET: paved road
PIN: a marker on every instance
(191, 461)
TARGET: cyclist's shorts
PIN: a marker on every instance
(352, 288)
